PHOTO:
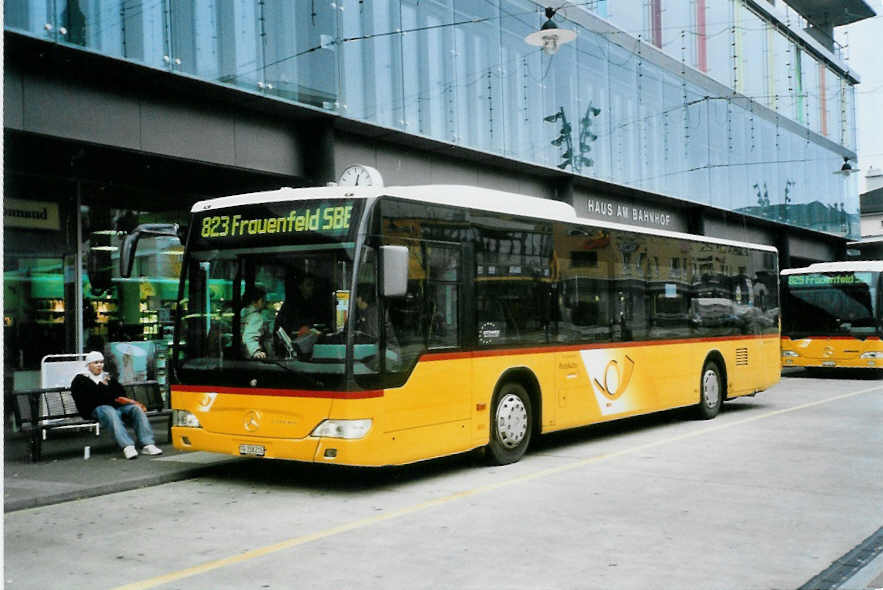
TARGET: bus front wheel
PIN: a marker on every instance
(511, 424)
(711, 391)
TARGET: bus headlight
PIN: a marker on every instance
(184, 418)
(872, 355)
(789, 353)
(343, 428)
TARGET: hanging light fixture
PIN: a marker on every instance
(550, 37)
(847, 168)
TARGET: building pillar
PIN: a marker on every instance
(562, 189)
(695, 221)
(782, 244)
(78, 274)
(317, 143)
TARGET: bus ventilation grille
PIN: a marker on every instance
(741, 357)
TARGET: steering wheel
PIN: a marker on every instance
(360, 337)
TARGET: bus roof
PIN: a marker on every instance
(463, 196)
(457, 195)
(850, 266)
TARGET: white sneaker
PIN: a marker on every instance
(151, 450)
(130, 452)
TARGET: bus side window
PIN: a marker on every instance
(407, 314)
(443, 301)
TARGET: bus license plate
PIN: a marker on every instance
(829, 364)
(252, 450)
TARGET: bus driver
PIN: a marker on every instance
(299, 311)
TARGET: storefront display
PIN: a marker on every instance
(52, 305)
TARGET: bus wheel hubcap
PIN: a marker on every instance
(711, 388)
(511, 420)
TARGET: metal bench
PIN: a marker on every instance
(41, 411)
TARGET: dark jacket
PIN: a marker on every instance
(297, 312)
(367, 322)
(88, 395)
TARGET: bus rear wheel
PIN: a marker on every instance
(711, 391)
(511, 424)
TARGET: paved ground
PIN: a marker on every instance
(64, 474)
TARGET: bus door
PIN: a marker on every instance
(429, 328)
(587, 314)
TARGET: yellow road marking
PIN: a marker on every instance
(365, 522)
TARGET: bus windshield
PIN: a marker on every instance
(831, 304)
(266, 296)
(277, 318)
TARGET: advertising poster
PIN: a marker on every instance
(131, 362)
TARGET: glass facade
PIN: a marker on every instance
(460, 72)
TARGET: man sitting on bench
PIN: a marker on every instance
(100, 397)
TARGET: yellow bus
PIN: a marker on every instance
(831, 315)
(441, 319)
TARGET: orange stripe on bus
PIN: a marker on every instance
(445, 356)
(792, 338)
(279, 392)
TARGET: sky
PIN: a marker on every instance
(862, 41)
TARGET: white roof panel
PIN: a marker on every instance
(470, 197)
(851, 266)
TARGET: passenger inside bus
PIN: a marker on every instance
(368, 316)
(257, 342)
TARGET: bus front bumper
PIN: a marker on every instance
(843, 363)
(311, 449)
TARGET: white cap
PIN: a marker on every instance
(94, 356)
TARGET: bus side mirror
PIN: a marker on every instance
(130, 244)
(395, 270)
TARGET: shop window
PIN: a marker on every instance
(37, 311)
(131, 320)
(138, 308)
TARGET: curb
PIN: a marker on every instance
(15, 504)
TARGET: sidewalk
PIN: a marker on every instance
(63, 474)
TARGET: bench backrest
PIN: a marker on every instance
(146, 392)
(53, 405)
(56, 405)
(58, 370)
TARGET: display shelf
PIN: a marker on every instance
(48, 311)
(105, 310)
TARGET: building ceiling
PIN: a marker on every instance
(832, 13)
(36, 163)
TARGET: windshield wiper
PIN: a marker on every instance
(307, 379)
(279, 363)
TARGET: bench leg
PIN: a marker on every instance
(36, 445)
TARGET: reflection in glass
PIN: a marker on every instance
(461, 73)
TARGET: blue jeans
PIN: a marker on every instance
(113, 419)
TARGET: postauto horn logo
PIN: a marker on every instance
(610, 378)
(615, 383)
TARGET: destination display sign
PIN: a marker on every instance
(830, 280)
(276, 223)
